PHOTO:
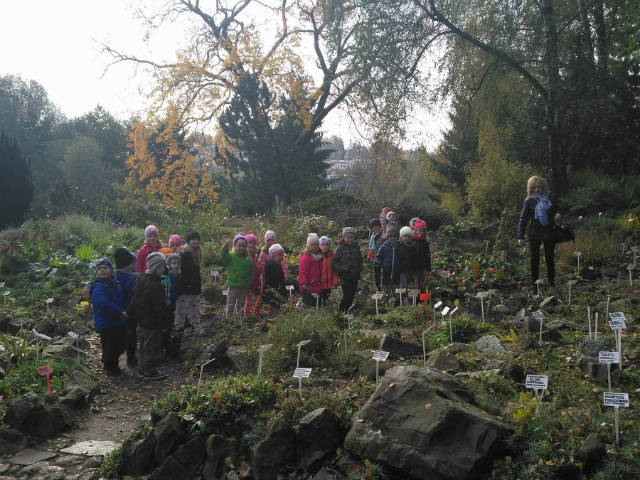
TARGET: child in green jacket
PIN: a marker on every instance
(239, 265)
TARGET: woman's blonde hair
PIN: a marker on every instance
(536, 180)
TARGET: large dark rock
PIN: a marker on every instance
(31, 417)
(79, 390)
(217, 448)
(138, 455)
(185, 462)
(588, 361)
(422, 423)
(275, 451)
(319, 434)
(170, 433)
(400, 348)
(45, 326)
(446, 358)
(11, 441)
(592, 452)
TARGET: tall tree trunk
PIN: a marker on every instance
(554, 89)
(602, 47)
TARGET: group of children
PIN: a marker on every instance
(152, 295)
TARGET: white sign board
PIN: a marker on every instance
(437, 305)
(414, 292)
(616, 321)
(454, 311)
(445, 310)
(380, 355)
(50, 300)
(302, 343)
(7, 293)
(577, 253)
(72, 334)
(302, 372)
(608, 357)
(401, 290)
(445, 274)
(289, 287)
(1, 284)
(614, 399)
(377, 296)
(537, 382)
(538, 315)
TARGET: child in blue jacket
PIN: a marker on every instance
(109, 315)
(393, 259)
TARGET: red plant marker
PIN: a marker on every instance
(46, 370)
(424, 297)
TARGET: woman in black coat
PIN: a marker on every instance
(540, 213)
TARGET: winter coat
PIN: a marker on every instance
(126, 281)
(262, 260)
(149, 303)
(310, 273)
(190, 282)
(536, 230)
(419, 254)
(239, 269)
(273, 276)
(143, 253)
(108, 303)
(393, 260)
(347, 261)
(172, 285)
(329, 275)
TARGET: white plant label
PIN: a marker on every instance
(577, 253)
(315, 295)
(615, 399)
(608, 357)
(2, 349)
(538, 315)
(50, 300)
(7, 293)
(377, 296)
(616, 321)
(414, 292)
(437, 305)
(264, 348)
(537, 382)
(445, 310)
(1, 284)
(302, 343)
(454, 311)
(72, 334)
(289, 287)
(445, 274)
(302, 372)
(380, 355)
(401, 290)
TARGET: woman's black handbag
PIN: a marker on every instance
(563, 234)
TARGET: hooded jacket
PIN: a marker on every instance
(347, 261)
(149, 303)
(108, 303)
(393, 259)
(310, 273)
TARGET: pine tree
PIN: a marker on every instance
(16, 185)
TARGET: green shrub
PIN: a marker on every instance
(597, 191)
(112, 463)
(343, 208)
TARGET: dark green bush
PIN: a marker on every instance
(343, 208)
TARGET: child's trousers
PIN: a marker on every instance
(187, 306)
(236, 298)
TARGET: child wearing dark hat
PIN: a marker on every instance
(109, 315)
(393, 260)
(190, 284)
(149, 307)
(239, 267)
(126, 275)
(347, 261)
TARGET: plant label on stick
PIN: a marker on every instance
(617, 321)
(453, 311)
(437, 305)
(424, 348)
(301, 373)
(424, 297)
(2, 349)
(616, 400)
(379, 356)
(401, 291)
(377, 296)
(46, 371)
(414, 293)
(1, 284)
(201, 372)
(539, 315)
(578, 254)
(540, 382)
(300, 345)
(445, 310)
(608, 357)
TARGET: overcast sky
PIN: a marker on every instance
(58, 44)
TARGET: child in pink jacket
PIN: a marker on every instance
(310, 271)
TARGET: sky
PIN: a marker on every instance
(59, 45)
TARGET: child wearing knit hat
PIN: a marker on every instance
(421, 253)
(190, 285)
(329, 275)
(239, 267)
(310, 271)
(274, 293)
(149, 307)
(393, 259)
(269, 240)
(347, 261)
(108, 315)
(151, 244)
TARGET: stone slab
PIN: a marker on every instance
(91, 447)
(29, 456)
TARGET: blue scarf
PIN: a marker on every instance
(542, 206)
